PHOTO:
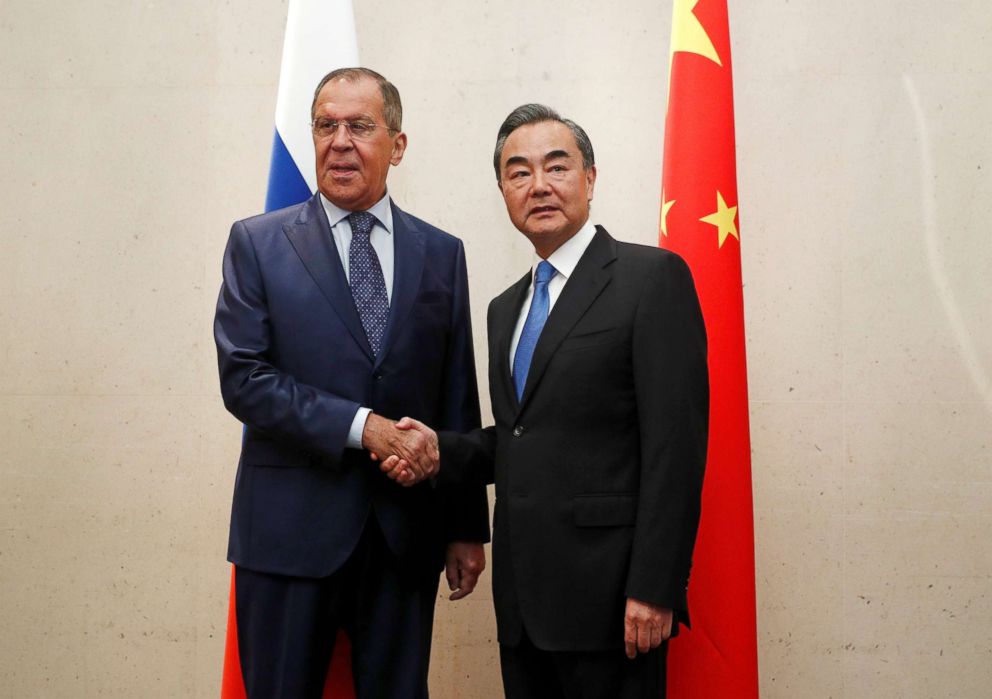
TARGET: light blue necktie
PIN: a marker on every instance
(368, 286)
(533, 326)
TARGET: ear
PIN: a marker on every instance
(399, 148)
(590, 181)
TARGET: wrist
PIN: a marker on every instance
(372, 432)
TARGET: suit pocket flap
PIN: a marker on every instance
(592, 338)
(266, 453)
(611, 510)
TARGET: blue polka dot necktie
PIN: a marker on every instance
(368, 287)
(536, 317)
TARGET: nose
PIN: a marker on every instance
(540, 185)
(341, 139)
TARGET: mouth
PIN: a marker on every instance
(543, 210)
(342, 169)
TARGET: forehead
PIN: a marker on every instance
(349, 98)
(534, 142)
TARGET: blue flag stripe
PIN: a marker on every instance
(286, 184)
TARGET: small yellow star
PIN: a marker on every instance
(666, 206)
(723, 219)
(689, 34)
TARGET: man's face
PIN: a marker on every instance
(352, 173)
(544, 184)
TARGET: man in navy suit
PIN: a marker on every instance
(337, 316)
(599, 388)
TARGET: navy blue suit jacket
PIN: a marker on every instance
(295, 365)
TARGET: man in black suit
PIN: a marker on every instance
(598, 381)
(336, 315)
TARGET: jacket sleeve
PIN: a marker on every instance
(254, 390)
(467, 458)
(672, 393)
(466, 504)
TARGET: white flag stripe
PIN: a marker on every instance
(320, 36)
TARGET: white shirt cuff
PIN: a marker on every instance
(357, 428)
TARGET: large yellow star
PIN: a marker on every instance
(665, 208)
(723, 219)
(688, 33)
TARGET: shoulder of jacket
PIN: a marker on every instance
(271, 220)
(648, 257)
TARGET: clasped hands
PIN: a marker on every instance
(407, 450)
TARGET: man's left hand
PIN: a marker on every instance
(463, 565)
(645, 626)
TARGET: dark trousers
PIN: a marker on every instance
(532, 673)
(287, 626)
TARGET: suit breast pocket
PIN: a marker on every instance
(605, 510)
(587, 339)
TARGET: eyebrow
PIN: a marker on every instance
(551, 155)
(353, 117)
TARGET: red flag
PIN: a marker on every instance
(718, 657)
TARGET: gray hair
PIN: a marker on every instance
(533, 114)
(392, 108)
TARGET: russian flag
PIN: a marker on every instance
(320, 37)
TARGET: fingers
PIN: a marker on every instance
(399, 470)
(419, 447)
(646, 626)
(666, 627)
(393, 466)
(451, 569)
(464, 590)
(408, 449)
(467, 580)
(644, 634)
(630, 638)
(465, 563)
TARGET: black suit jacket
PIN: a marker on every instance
(599, 467)
(295, 365)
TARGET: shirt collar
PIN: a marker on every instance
(566, 257)
(382, 211)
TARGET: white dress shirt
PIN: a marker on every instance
(381, 239)
(564, 260)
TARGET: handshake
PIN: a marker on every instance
(407, 450)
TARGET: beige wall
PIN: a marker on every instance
(134, 133)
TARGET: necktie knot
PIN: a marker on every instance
(545, 271)
(361, 224)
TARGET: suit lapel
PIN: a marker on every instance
(582, 288)
(310, 236)
(506, 312)
(408, 266)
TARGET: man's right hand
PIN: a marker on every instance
(408, 446)
(401, 469)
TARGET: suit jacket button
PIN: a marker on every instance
(518, 430)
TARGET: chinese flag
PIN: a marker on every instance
(718, 656)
